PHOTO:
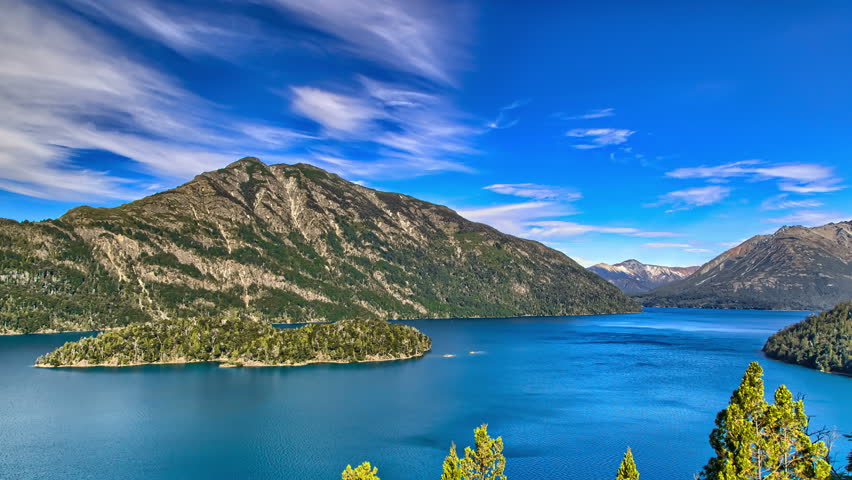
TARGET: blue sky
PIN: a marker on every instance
(661, 131)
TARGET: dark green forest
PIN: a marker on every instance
(237, 341)
(822, 341)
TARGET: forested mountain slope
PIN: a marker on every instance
(288, 242)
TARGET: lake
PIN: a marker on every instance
(567, 394)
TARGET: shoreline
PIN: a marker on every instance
(52, 331)
(774, 359)
(226, 364)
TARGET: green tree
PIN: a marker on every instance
(486, 461)
(452, 466)
(627, 470)
(362, 472)
(790, 452)
(849, 466)
(755, 440)
(736, 430)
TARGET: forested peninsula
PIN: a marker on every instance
(237, 341)
(822, 341)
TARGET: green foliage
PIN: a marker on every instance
(66, 291)
(822, 341)
(756, 440)
(452, 465)
(171, 261)
(849, 457)
(241, 341)
(363, 472)
(483, 462)
(627, 470)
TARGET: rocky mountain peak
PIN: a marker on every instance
(797, 268)
(245, 162)
(633, 276)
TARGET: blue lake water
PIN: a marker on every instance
(567, 394)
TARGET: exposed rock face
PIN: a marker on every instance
(283, 242)
(796, 268)
(633, 276)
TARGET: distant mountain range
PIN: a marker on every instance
(281, 243)
(633, 276)
(796, 268)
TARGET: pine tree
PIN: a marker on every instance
(627, 470)
(736, 430)
(790, 452)
(755, 440)
(452, 466)
(486, 461)
(362, 472)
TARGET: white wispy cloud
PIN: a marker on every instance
(783, 202)
(538, 220)
(600, 137)
(387, 168)
(505, 118)
(514, 218)
(535, 191)
(590, 115)
(66, 87)
(810, 218)
(559, 228)
(686, 247)
(791, 177)
(424, 37)
(417, 131)
(666, 245)
(337, 113)
(692, 197)
(195, 32)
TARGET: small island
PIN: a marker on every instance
(234, 341)
(822, 341)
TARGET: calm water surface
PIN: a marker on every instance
(567, 394)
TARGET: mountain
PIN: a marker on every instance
(822, 341)
(796, 268)
(633, 276)
(281, 243)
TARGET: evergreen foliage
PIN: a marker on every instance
(757, 440)
(485, 461)
(849, 457)
(452, 465)
(822, 341)
(627, 470)
(362, 472)
(240, 341)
